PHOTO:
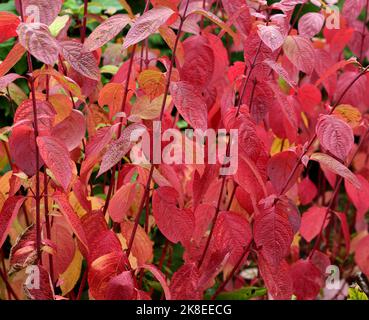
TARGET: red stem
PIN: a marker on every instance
(82, 285)
(84, 22)
(312, 140)
(166, 92)
(363, 31)
(228, 150)
(333, 198)
(34, 109)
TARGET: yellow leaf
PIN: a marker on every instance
(4, 182)
(148, 110)
(58, 24)
(63, 106)
(68, 84)
(349, 114)
(279, 145)
(212, 17)
(69, 278)
(77, 207)
(127, 7)
(152, 82)
(16, 93)
(112, 96)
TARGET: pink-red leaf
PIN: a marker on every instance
(335, 136)
(8, 213)
(57, 159)
(312, 221)
(71, 130)
(310, 24)
(176, 224)
(327, 162)
(36, 38)
(120, 147)
(146, 25)
(300, 52)
(106, 31)
(81, 61)
(190, 104)
(72, 218)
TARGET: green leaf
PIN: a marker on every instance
(356, 294)
(244, 293)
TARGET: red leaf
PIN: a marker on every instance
(362, 255)
(106, 31)
(345, 229)
(277, 279)
(232, 234)
(199, 61)
(190, 104)
(146, 25)
(280, 167)
(12, 58)
(271, 36)
(102, 270)
(142, 248)
(160, 277)
(8, 213)
(23, 149)
(72, 218)
(8, 79)
(274, 230)
(312, 221)
(331, 164)
(307, 280)
(121, 287)
(176, 224)
(307, 191)
(121, 202)
(310, 24)
(309, 97)
(120, 147)
(281, 72)
(8, 24)
(71, 130)
(300, 52)
(359, 198)
(45, 114)
(335, 135)
(65, 245)
(81, 61)
(36, 38)
(184, 283)
(24, 252)
(239, 12)
(57, 159)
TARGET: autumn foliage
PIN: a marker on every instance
(85, 220)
